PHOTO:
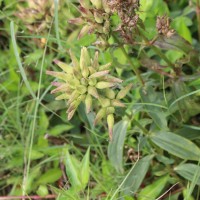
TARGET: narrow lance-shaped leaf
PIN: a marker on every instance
(176, 145)
(85, 169)
(189, 171)
(115, 147)
(136, 175)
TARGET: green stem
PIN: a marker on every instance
(137, 73)
(198, 17)
(156, 50)
(145, 131)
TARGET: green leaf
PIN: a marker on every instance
(136, 175)
(50, 176)
(153, 190)
(115, 147)
(85, 168)
(57, 130)
(189, 171)
(176, 145)
(72, 170)
(156, 113)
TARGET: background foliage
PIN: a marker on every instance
(154, 153)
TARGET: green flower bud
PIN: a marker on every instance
(123, 92)
(84, 81)
(100, 115)
(71, 114)
(104, 102)
(81, 89)
(63, 96)
(59, 75)
(93, 91)
(117, 103)
(88, 103)
(99, 74)
(110, 93)
(98, 18)
(105, 6)
(103, 84)
(84, 31)
(84, 59)
(110, 122)
(73, 97)
(75, 61)
(62, 88)
(91, 70)
(95, 63)
(105, 67)
(65, 67)
(92, 81)
(97, 3)
(110, 110)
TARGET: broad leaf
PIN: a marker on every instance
(150, 98)
(189, 171)
(136, 175)
(115, 148)
(176, 145)
(153, 190)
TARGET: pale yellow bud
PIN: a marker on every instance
(88, 103)
(103, 84)
(110, 122)
(123, 92)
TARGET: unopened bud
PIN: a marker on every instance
(110, 110)
(123, 92)
(88, 103)
(103, 84)
(75, 61)
(93, 91)
(63, 96)
(110, 122)
(65, 67)
(104, 102)
(97, 3)
(110, 93)
(117, 103)
(98, 17)
(99, 74)
(100, 115)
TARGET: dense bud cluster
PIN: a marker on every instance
(94, 18)
(163, 26)
(85, 81)
(126, 10)
(38, 15)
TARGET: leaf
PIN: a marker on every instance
(176, 145)
(115, 147)
(156, 113)
(152, 191)
(57, 130)
(72, 170)
(136, 175)
(85, 168)
(50, 176)
(189, 171)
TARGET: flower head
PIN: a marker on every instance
(85, 81)
(94, 18)
(38, 15)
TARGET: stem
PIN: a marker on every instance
(198, 17)
(145, 131)
(156, 50)
(137, 73)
